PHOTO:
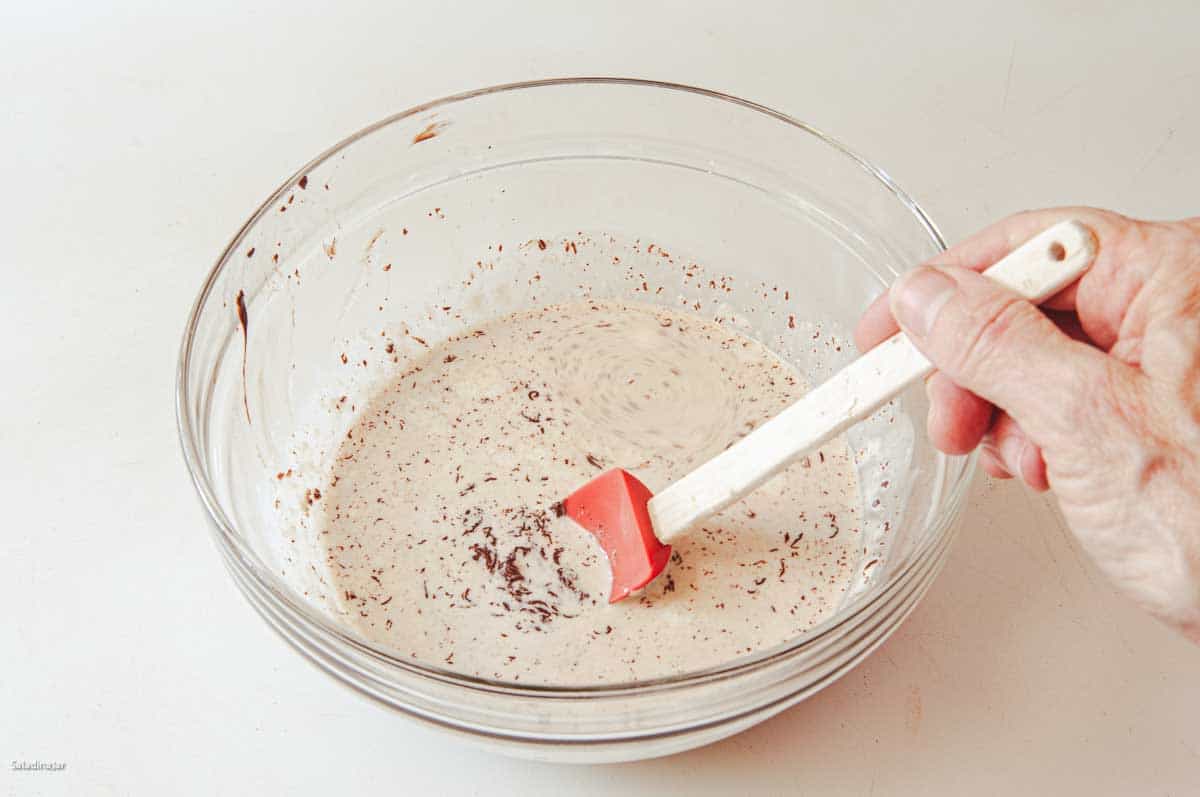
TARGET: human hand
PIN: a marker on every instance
(1096, 395)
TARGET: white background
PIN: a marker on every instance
(136, 140)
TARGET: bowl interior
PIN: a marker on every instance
(486, 204)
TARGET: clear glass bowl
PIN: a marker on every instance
(289, 321)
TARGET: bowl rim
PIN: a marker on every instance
(238, 553)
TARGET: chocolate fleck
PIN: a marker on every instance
(244, 322)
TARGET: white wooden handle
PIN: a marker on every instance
(1037, 270)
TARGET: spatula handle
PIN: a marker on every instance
(1037, 270)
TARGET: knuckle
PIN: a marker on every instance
(1118, 401)
(993, 324)
(1110, 402)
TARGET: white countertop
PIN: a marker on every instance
(136, 141)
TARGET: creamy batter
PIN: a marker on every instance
(438, 523)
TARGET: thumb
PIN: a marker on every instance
(999, 346)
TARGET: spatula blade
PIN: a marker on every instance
(612, 506)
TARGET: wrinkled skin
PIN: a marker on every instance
(1095, 396)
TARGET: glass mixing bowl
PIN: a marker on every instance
(484, 203)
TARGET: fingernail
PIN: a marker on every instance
(917, 298)
(1012, 454)
(989, 451)
(931, 421)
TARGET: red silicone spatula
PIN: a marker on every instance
(633, 525)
